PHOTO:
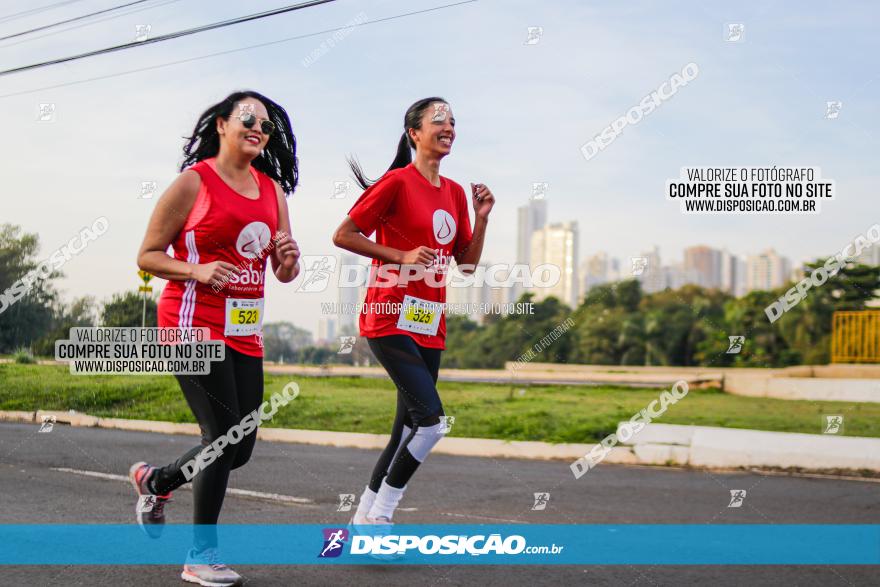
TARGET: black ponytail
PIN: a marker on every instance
(403, 157)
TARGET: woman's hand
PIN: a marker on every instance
(483, 200)
(286, 250)
(214, 273)
(418, 256)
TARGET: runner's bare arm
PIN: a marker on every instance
(483, 201)
(285, 255)
(167, 221)
(469, 257)
(349, 237)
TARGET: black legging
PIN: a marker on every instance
(219, 400)
(413, 369)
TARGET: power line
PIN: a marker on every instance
(85, 24)
(169, 36)
(74, 19)
(228, 51)
(36, 10)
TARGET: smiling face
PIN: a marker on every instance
(234, 136)
(437, 132)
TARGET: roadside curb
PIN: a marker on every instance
(656, 444)
(470, 447)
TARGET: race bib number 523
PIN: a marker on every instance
(243, 317)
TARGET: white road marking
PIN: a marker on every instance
(482, 518)
(97, 474)
(230, 491)
(269, 496)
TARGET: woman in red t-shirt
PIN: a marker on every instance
(225, 217)
(421, 221)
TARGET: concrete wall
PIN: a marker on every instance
(705, 446)
(803, 388)
(854, 383)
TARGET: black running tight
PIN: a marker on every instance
(413, 368)
(219, 400)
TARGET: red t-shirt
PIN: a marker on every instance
(406, 211)
(223, 225)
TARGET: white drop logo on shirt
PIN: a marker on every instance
(444, 226)
(252, 239)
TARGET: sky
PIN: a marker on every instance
(522, 113)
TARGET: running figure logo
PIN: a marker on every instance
(539, 190)
(334, 539)
(148, 188)
(142, 32)
(346, 345)
(832, 109)
(145, 503)
(346, 500)
(47, 424)
(340, 189)
(541, 501)
(833, 424)
(46, 112)
(534, 34)
(735, 32)
(317, 272)
(736, 344)
(446, 423)
(440, 111)
(444, 226)
(639, 264)
(737, 496)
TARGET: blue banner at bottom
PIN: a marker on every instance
(414, 544)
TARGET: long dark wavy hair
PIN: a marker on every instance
(278, 160)
(403, 157)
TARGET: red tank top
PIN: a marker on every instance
(224, 225)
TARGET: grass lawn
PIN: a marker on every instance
(551, 413)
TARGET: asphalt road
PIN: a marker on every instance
(43, 479)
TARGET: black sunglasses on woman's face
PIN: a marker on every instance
(249, 119)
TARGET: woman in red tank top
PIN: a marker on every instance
(225, 218)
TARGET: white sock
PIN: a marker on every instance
(386, 501)
(365, 503)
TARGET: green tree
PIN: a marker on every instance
(609, 330)
(461, 333)
(79, 313)
(807, 326)
(24, 317)
(852, 287)
(677, 321)
(126, 309)
(764, 345)
(506, 338)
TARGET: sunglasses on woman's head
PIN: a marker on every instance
(248, 119)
